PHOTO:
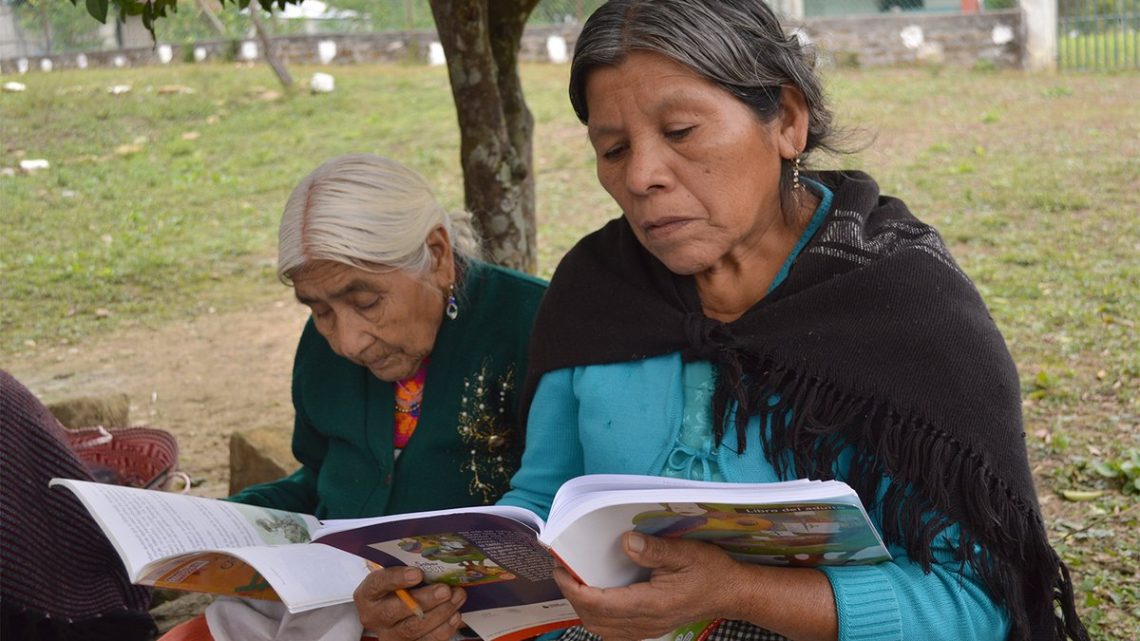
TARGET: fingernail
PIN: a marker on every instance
(455, 619)
(457, 597)
(636, 542)
(441, 591)
(410, 576)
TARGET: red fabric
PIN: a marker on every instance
(195, 629)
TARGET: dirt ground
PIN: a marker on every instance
(201, 378)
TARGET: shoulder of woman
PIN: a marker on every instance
(490, 284)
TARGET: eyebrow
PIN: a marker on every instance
(351, 288)
(676, 100)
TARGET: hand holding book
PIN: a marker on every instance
(381, 607)
(693, 587)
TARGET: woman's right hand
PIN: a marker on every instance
(385, 615)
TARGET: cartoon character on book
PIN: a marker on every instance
(452, 559)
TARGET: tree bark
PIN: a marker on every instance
(481, 40)
(270, 52)
(207, 13)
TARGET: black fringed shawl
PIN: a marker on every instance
(876, 340)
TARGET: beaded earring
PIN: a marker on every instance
(796, 184)
(452, 309)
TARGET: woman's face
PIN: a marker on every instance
(694, 170)
(385, 321)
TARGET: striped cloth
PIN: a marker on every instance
(59, 576)
(729, 630)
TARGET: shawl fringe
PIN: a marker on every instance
(889, 442)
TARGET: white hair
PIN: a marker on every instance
(368, 212)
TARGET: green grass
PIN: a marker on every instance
(1034, 181)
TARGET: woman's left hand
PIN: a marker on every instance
(688, 581)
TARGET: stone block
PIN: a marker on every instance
(112, 410)
(259, 455)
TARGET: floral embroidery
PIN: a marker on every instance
(486, 426)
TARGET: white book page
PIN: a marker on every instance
(524, 516)
(147, 525)
(520, 622)
(307, 576)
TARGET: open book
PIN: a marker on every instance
(502, 555)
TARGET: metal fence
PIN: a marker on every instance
(1098, 34)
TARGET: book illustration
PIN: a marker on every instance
(798, 534)
(446, 558)
(508, 575)
(499, 560)
(212, 573)
(276, 527)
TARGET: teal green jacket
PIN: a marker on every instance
(467, 442)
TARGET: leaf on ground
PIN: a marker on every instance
(1081, 495)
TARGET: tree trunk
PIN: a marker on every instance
(270, 51)
(481, 39)
(207, 13)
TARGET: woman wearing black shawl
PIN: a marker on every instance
(749, 321)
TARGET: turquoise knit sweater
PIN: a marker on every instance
(607, 419)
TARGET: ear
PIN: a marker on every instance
(442, 271)
(793, 122)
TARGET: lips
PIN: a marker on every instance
(665, 226)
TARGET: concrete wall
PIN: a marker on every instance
(992, 38)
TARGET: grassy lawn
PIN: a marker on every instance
(162, 204)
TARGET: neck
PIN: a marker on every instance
(744, 276)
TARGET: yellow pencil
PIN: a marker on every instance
(410, 602)
(400, 592)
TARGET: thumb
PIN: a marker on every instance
(650, 551)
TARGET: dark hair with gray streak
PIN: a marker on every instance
(738, 44)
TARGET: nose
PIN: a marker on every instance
(351, 336)
(646, 170)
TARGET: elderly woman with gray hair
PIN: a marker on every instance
(749, 320)
(405, 378)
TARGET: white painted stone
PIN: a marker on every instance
(81, 61)
(22, 65)
(1002, 34)
(200, 54)
(556, 49)
(15, 87)
(165, 54)
(46, 64)
(119, 61)
(32, 165)
(248, 50)
(326, 51)
(803, 37)
(912, 36)
(322, 83)
(436, 56)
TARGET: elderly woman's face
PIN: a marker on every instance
(695, 171)
(386, 321)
